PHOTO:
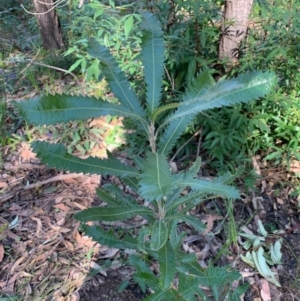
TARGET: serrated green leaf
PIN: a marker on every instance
(152, 56)
(188, 199)
(110, 214)
(55, 155)
(132, 183)
(105, 197)
(172, 133)
(167, 265)
(159, 235)
(52, 109)
(199, 86)
(156, 179)
(246, 87)
(211, 187)
(142, 238)
(163, 109)
(192, 172)
(188, 287)
(190, 220)
(139, 264)
(109, 239)
(238, 292)
(175, 237)
(118, 194)
(116, 78)
(146, 279)
(212, 276)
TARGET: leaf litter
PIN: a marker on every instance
(43, 252)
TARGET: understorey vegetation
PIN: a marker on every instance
(191, 125)
(158, 190)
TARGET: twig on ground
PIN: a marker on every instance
(38, 184)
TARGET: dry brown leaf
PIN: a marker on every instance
(61, 222)
(26, 152)
(69, 245)
(39, 225)
(60, 229)
(3, 185)
(12, 235)
(75, 230)
(59, 199)
(74, 297)
(71, 181)
(280, 201)
(1, 252)
(17, 263)
(265, 290)
(64, 260)
(295, 166)
(9, 287)
(209, 220)
(84, 240)
(62, 207)
(80, 206)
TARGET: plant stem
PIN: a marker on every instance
(152, 137)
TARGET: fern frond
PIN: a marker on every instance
(115, 77)
(153, 57)
(55, 155)
(51, 109)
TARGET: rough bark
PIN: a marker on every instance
(234, 28)
(49, 24)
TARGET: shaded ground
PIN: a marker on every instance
(44, 255)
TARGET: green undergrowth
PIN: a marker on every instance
(160, 195)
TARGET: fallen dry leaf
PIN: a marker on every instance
(26, 152)
(1, 252)
(3, 185)
(209, 220)
(265, 290)
(74, 297)
(39, 225)
(9, 287)
(62, 207)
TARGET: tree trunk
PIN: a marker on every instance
(234, 29)
(49, 24)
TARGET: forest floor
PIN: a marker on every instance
(45, 256)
